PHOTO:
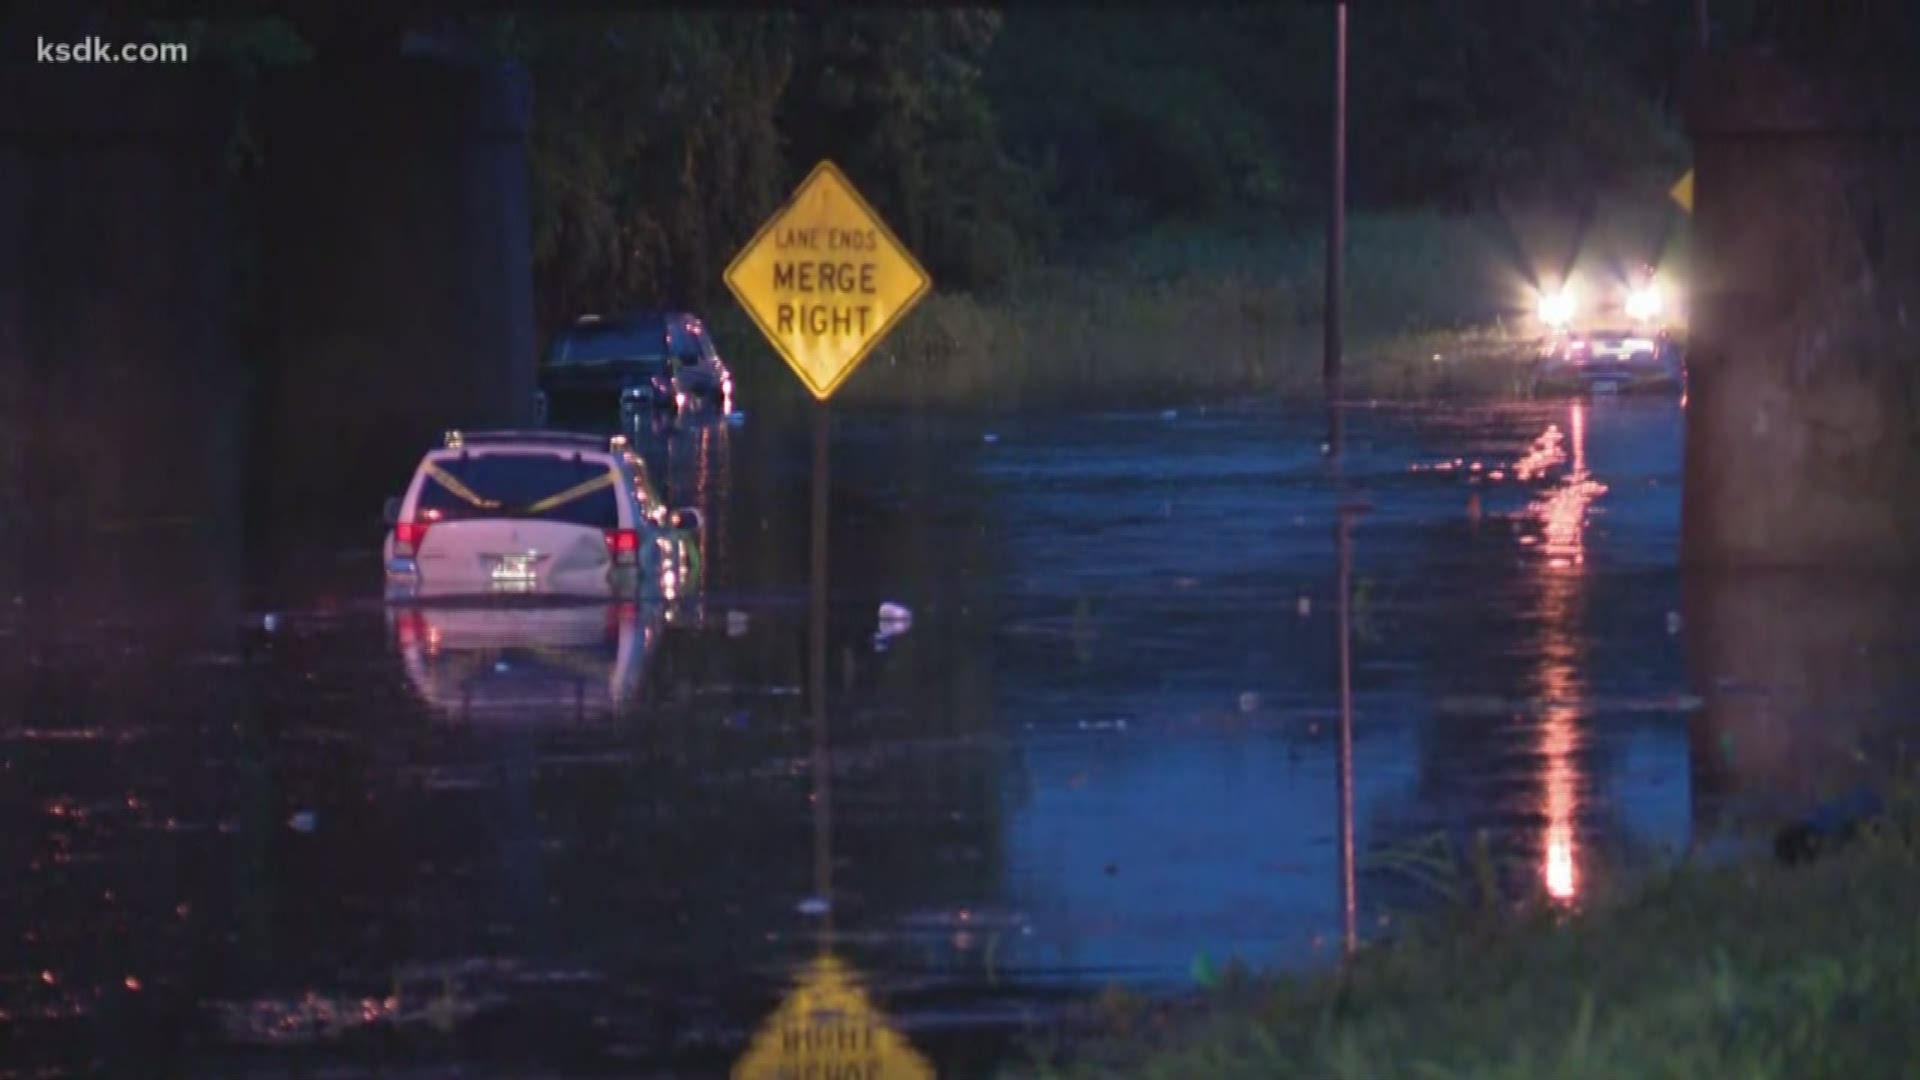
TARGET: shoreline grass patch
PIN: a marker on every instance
(1751, 970)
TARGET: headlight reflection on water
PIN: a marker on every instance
(1562, 514)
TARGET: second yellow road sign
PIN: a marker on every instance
(1682, 192)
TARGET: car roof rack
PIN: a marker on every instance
(456, 440)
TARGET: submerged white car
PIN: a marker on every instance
(536, 514)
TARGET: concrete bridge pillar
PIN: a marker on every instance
(1806, 680)
(119, 419)
(398, 271)
(1803, 426)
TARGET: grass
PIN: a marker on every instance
(1193, 313)
(1750, 970)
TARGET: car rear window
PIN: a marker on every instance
(547, 487)
(642, 339)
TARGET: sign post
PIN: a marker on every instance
(825, 279)
(817, 676)
(1336, 236)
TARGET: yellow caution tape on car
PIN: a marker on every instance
(452, 483)
(587, 487)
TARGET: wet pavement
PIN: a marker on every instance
(257, 824)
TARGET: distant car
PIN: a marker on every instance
(618, 370)
(1623, 342)
(1612, 360)
(542, 514)
(552, 664)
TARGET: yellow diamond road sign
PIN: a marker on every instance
(827, 1028)
(825, 279)
(1682, 192)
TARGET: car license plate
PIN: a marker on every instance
(513, 572)
(1606, 386)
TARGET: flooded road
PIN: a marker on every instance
(257, 824)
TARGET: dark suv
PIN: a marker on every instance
(602, 371)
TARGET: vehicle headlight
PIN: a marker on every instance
(1645, 303)
(1558, 305)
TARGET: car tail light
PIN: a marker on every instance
(623, 546)
(408, 536)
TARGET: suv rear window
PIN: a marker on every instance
(546, 487)
(643, 339)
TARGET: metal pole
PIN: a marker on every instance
(817, 663)
(1701, 26)
(1349, 906)
(1336, 231)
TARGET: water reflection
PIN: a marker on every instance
(493, 664)
(1562, 515)
(1097, 757)
(1349, 891)
(827, 1027)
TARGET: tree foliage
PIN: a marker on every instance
(655, 148)
(664, 138)
(989, 139)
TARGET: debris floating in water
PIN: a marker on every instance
(815, 905)
(736, 623)
(1249, 701)
(1170, 414)
(303, 821)
(1673, 622)
(269, 622)
(1304, 606)
(989, 437)
(895, 619)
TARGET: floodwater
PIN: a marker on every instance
(252, 823)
